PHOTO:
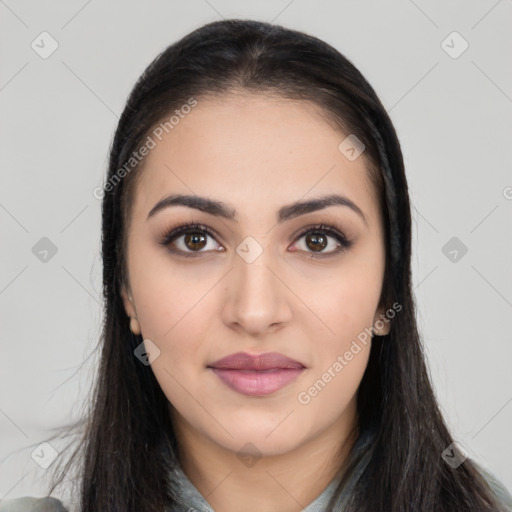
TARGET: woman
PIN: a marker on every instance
(260, 349)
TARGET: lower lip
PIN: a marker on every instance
(257, 383)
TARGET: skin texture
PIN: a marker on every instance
(256, 153)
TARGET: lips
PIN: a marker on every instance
(267, 361)
(257, 375)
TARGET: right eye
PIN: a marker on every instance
(188, 240)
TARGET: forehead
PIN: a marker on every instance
(253, 151)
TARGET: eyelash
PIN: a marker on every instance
(173, 234)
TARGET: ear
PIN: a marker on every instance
(381, 323)
(126, 295)
(129, 307)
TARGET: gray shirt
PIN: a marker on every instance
(190, 498)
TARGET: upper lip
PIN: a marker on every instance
(245, 361)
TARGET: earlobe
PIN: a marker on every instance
(381, 323)
(134, 325)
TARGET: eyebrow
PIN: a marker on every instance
(287, 212)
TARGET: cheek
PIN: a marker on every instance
(170, 296)
(341, 345)
(340, 353)
(341, 342)
(344, 304)
(178, 325)
(332, 392)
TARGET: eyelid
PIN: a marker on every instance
(169, 235)
(331, 230)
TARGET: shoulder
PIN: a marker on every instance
(497, 487)
(32, 505)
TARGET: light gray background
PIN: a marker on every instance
(453, 117)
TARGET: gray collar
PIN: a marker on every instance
(190, 499)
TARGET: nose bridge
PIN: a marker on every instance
(257, 298)
(255, 277)
(254, 280)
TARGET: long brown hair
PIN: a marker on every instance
(127, 446)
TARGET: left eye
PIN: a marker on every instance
(192, 239)
(317, 239)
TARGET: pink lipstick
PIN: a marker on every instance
(257, 375)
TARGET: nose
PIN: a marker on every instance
(257, 299)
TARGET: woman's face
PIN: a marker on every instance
(264, 280)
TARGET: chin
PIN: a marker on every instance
(261, 442)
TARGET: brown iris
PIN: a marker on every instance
(195, 240)
(318, 241)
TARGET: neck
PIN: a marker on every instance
(287, 482)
